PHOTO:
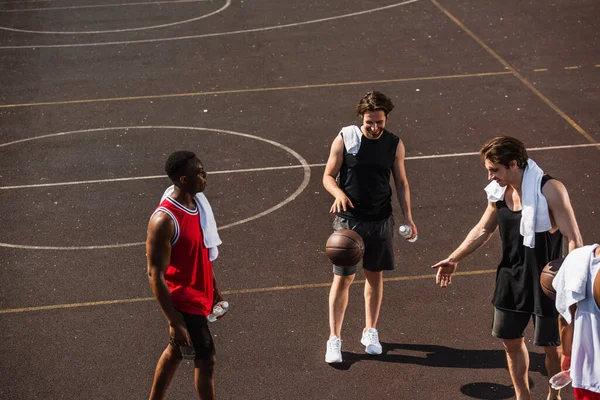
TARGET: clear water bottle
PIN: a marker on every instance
(560, 380)
(406, 232)
(218, 310)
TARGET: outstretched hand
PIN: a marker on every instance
(445, 270)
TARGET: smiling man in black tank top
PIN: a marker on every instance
(357, 175)
(518, 296)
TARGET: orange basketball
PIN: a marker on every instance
(345, 248)
(547, 276)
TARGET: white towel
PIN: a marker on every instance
(571, 280)
(207, 223)
(352, 137)
(495, 192)
(535, 216)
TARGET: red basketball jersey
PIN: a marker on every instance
(190, 274)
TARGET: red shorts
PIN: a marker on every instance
(583, 394)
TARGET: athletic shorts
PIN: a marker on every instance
(378, 237)
(584, 394)
(512, 325)
(202, 340)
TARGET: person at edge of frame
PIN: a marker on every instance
(580, 320)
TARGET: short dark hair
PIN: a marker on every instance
(176, 163)
(503, 149)
(373, 101)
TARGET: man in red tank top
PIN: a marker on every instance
(181, 276)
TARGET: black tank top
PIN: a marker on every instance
(518, 276)
(365, 178)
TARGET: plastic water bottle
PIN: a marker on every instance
(406, 232)
(560, 380)
(218, 310)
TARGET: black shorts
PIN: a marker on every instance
(512, 325)
(379, 244)
(202, 341)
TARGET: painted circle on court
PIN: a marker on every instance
(227, 4)
(216, 34)
(296, 193)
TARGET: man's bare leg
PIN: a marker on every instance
(165, 370)
(553, 368)
(204, 378)
(338, 301)
(518, 365)
(373, 297)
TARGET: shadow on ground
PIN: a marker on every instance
(448, 357)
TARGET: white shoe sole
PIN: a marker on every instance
(334, 361)
(373, 350)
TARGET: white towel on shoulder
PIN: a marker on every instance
(352, 136)
(535, 216)
(495, 192)
(570, 282)
(207, 223)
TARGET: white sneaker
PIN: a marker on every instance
(370, 339)
(334, 350)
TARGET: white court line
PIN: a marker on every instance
(102, 5)
(227, 4)
(233, 171)
(149, 177)
(26, 2)
(303, 164)
(268, 28)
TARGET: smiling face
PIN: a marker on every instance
(373, 123)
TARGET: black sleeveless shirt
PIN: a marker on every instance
(365, 178)
(518, 276)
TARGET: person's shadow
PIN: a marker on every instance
(447, 357)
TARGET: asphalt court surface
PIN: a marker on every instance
(259, 89)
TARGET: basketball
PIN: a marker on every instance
(596, 289)
(547, 276)
(345, 248)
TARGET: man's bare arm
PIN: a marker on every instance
(476, 238)
(566, 338)
(158, 253)
(402, 187)
(479, 235)
(332, 168)
(562, 212)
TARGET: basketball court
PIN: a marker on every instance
(94, 96)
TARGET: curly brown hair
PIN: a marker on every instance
(373, 101)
